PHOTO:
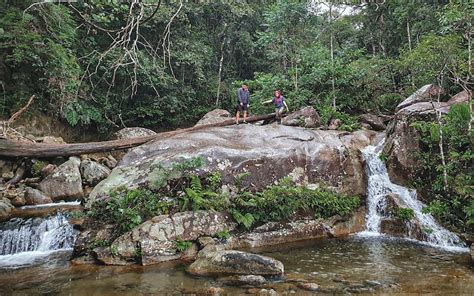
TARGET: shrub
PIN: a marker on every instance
(128, 208)
(406, 214)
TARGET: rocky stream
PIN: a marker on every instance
(49, 246)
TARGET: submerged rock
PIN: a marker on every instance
(65, 182)
(228, 262)
(243, 280)
(267, 153)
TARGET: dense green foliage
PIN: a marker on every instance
(127, 208)
(453, 204)
(85, 67)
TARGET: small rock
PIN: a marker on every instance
(52, 140)
(205, 240)
(334, 124)
(262, 292)
(5, 209)
(18, 201)
(241, 280)
(36, 197)
(8, 175)
(93, 172)
(308, 286)
(372, 283)
(47, 170)
(109, 161)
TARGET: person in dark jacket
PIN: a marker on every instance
(243, 103)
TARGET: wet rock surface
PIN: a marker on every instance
(243, 280)
(268, 153)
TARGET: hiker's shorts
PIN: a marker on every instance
(241, 108)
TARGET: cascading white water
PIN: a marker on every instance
(379, 185)
(21, 240)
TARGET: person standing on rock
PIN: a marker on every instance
(243, 103)
(280, 104)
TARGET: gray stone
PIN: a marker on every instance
(267, 153)
(36, 197)
(8, 175)
(307, 117)
(47, 170)
(375, 122)
(426, 93)
(93, 172)
(308, 286)
(5, 208)
(232, 262)
(401, 144)
(157, 237)
(214, 116)
(65, 182)
(243, 280)
(51, 140)
(133, 132)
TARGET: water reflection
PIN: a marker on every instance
(404, 266)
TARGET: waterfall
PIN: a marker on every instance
(22, 240)
(379, 185)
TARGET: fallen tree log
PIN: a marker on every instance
(43, 150)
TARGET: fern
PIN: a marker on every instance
(246, 220)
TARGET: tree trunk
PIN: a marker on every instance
(42, 150)
(410, 48)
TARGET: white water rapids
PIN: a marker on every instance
(379, 185)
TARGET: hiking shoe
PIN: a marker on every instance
(245, 122)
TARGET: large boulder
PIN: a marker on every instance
(231, 262)
(214, 116)
(306, 117)
(427, 93)
(132, 132)
(155, 240)
(267, 153)
(401, 144)
(93, 172)
(64, 182)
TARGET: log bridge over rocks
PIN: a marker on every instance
(45, 150)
